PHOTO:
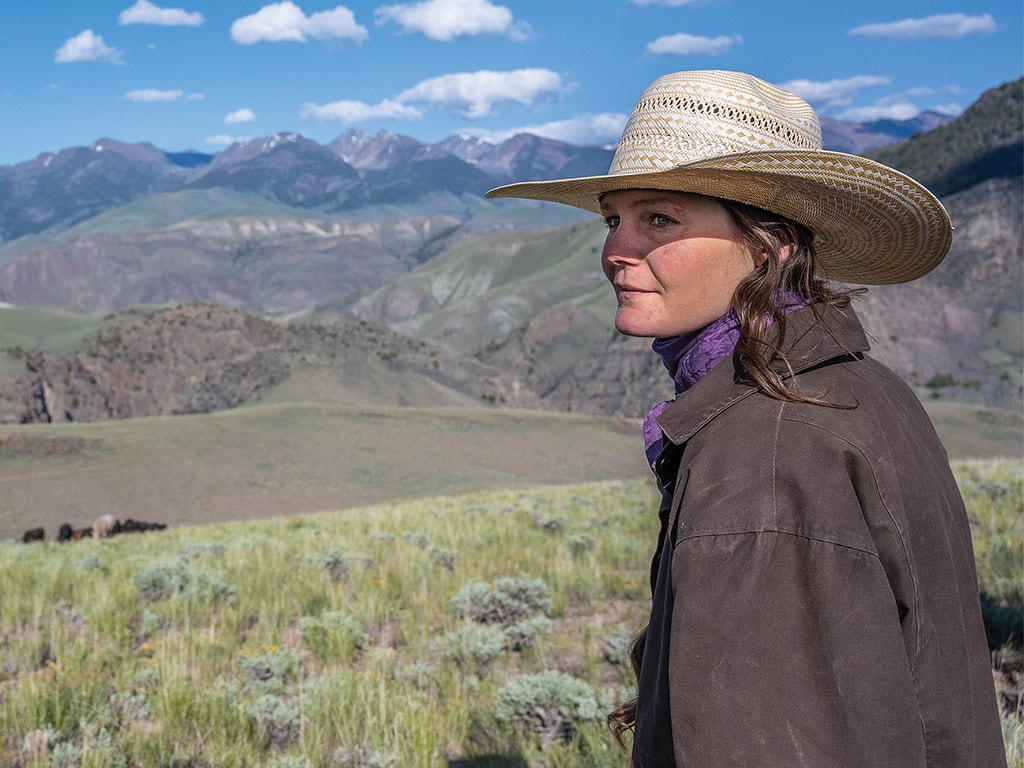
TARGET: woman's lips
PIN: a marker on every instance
(630, 290)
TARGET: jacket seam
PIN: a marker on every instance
(870, 463)
(780, 532)
(775, 464)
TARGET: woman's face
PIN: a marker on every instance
(674, 260)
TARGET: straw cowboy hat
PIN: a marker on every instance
(732, 136)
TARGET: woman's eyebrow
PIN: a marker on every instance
(643, 202)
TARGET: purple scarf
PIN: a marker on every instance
(689, 357)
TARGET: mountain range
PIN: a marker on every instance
(209, 280)
(62, 188)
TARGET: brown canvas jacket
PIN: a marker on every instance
(815, 601)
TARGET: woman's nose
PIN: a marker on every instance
(620, 248)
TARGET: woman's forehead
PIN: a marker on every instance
(634, 198)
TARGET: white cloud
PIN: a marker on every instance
(665, 3)
(474, 94)
(899, 110)
(144, 12)
(358, 111)
(919, 92)
(471, 94)
(942, 25)
(285, 21)
(683, 44)
(223, 140)
(86, 46)
(196, 97)
(245, 115)
(447, 19)
(952, 109)
(153, 95)
(898, 106)
(835, 98)
(583, 130)
(833, 94)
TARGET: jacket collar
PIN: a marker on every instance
(814, 335)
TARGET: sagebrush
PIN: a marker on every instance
(415, 634)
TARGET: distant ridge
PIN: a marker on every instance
(58, 189)
(858, 138)
(200, 358)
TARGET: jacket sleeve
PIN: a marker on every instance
(787, 651)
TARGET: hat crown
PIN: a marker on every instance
(687, 117)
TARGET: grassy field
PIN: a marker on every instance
(974, 431)
(284, 459)
(485, 630)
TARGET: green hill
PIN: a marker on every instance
(271, 460)
(986, 141)
(477, 292)
(49, 330)
(36, 328)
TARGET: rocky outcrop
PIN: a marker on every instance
(200, 358)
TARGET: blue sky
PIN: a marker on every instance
(199, 74)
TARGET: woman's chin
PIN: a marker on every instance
(634, 329)
(632, 323)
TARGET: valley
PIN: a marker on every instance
(139, 291)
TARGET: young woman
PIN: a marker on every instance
(815, 601)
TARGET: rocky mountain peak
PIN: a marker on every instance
(383, 151)
(144, 153)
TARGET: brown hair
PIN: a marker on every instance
(759, 300)
(759, 303)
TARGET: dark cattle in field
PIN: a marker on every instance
(65, 532)
(81, 533)
(33, 534)
(138, 526)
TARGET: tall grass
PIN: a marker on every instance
(317, 640)
(485, 630)
(994, 494)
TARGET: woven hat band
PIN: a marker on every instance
(679, 120)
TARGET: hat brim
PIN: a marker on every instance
(872, 224)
